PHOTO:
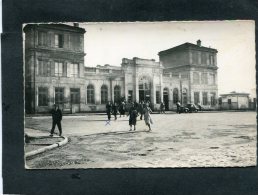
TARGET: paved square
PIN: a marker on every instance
(213, 139)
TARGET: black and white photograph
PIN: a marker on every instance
(139, 94)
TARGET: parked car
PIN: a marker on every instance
(183, 109)
(192, 108)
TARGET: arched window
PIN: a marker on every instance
(196, 78)
(175, 95)
(90, 94)
(104, 94)
(117, 93)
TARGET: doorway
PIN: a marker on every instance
(166, 98)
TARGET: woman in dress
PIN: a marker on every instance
(147, 117)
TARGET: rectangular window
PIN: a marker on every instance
(205, 98)
(213, 80)
(75, 42)
(204, 61)
(158, 97)
(43, 68)
(196, 97)
(130, 95)
(211, 60)
(75, 95)
(74, 70)
(196, 78)
(59, 95)
(59, 69)
(195, 57)
(204, 78)
(59, 40)
(42, 38)
(42, 96)
(213, 100)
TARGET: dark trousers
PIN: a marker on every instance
(115, 115)
(58, 123)
(109, 115)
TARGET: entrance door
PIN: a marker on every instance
(166, 99)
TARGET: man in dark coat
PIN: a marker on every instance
(108, 109)
(133, 117)
(140, 109)
(56, 120)
(114, 109)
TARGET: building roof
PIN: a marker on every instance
(233, 93)
(55, 26)
(186, 46)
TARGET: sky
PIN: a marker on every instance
(108, 43)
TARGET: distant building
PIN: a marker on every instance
(55, 74)
(235, 101)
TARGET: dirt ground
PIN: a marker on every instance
(177, 140)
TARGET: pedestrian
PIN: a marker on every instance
(178, 107)
(140, 109)
(162, 108)
(133, 117)
(122, 108)
(56, 120)
(147, 117)
(114, 109)
(108, 110)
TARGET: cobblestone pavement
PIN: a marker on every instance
(177, 140)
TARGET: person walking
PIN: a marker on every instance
(133, 117)
(114, 109)
(108, 110)
(178, 106)
(122, 109)
(147, 117)
(56, 120)
(162, 108)
(140, 109)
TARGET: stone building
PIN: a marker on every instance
(54, 66)
(190, 74)
(55, 73)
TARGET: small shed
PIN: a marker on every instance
(234, 101)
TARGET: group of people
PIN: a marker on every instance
(133, 110)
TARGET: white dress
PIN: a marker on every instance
(147, 116)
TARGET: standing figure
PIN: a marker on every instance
(114, 109)
(122, 109)
(56, 120)
(147, 116)
(178, 106)
(133, 117)
(108, 110)
(140, 109)
(162, 108)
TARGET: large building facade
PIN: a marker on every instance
(55, 74)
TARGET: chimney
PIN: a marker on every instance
(76, 24)
(199, 42)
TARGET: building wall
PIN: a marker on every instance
(237, 102)
(176, 74)
(176, 58)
